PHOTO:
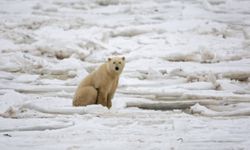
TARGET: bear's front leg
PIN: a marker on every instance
(110, 96)
(102, 98)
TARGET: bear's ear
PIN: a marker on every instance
(109, 59)
(123, 58)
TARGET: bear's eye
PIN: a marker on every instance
(120, 62)
(113, 62)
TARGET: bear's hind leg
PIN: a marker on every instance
(85, 96)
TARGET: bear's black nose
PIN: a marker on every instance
(116, 68)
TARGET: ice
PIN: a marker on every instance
(185, 84)
(207, 112)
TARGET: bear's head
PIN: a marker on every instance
(116, 64)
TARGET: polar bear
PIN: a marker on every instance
(100, 85)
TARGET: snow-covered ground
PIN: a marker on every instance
(185, 84)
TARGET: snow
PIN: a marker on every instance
(185, 84)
